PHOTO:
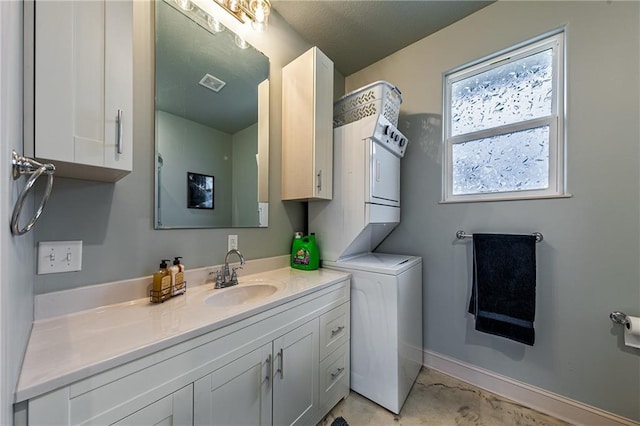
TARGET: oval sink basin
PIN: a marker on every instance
(234, 296)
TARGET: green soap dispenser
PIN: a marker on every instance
(305, 254)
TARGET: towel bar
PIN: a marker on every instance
(461, 235)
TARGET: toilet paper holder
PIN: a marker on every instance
(619, 317)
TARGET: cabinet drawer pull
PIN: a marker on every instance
(268, 362)
(281, 369)
(337, 330)
(319, 181)
(119, 136)
(337, 373)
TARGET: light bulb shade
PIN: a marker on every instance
(240, 42)
(259, 26)
(234, 5)
(184, 4)
(215, 25)
(260, 10)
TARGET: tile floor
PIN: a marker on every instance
(438, 399)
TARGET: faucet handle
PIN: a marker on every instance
(234, 274)
(219, 279)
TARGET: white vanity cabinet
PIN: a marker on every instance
(307, 127)
(275, 384)
(284, 365)
(238, 393)
(175, 409)
(79, 86)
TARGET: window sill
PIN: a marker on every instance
(505, 198)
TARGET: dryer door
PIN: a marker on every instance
(385, 176)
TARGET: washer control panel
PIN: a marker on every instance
(388, 135)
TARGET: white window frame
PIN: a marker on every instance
(553, 40)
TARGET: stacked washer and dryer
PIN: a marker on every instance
(386, 289)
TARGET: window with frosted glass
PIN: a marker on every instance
(503, 125)
(518, 91)
(510, 162)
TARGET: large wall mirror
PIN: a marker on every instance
(211, 123)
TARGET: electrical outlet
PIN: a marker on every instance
(232, 242)
(59, 256)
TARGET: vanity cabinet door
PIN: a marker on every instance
(172, 410)
(274, 384)
(295, 377)
(238, 393)
(79, 113)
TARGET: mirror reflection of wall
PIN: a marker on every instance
(204, 131)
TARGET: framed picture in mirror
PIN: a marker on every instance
(199, 191)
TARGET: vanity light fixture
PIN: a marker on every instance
(254, 11)
(202, 18)
(240, 42)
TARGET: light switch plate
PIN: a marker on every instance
(59, 256)
(232, 242)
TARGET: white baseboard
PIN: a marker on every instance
(539, 399)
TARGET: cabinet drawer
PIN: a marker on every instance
(334, 329)
(334, 378)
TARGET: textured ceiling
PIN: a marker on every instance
(353, 33)
(357, 33)
(185, 52)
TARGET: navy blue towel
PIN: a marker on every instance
(503, 298)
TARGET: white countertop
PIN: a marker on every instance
(68, 348)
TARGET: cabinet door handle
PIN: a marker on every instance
(337, 330)
(337, 373)
(281, 369)
(319, 176)
(119, 136)
(268, 362)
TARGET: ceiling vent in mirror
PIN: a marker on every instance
(211, 82)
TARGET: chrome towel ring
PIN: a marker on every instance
(28, 166)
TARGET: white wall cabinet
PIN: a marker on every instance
(307, 127)
(287, 365)
(79, 79)
(257, 383)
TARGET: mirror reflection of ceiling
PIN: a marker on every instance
(355, 34)
(185, 53)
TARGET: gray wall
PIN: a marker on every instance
(588, 262)
(187, 146)
(16, 253)
(115, 221)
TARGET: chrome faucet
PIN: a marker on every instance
(226, 278)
